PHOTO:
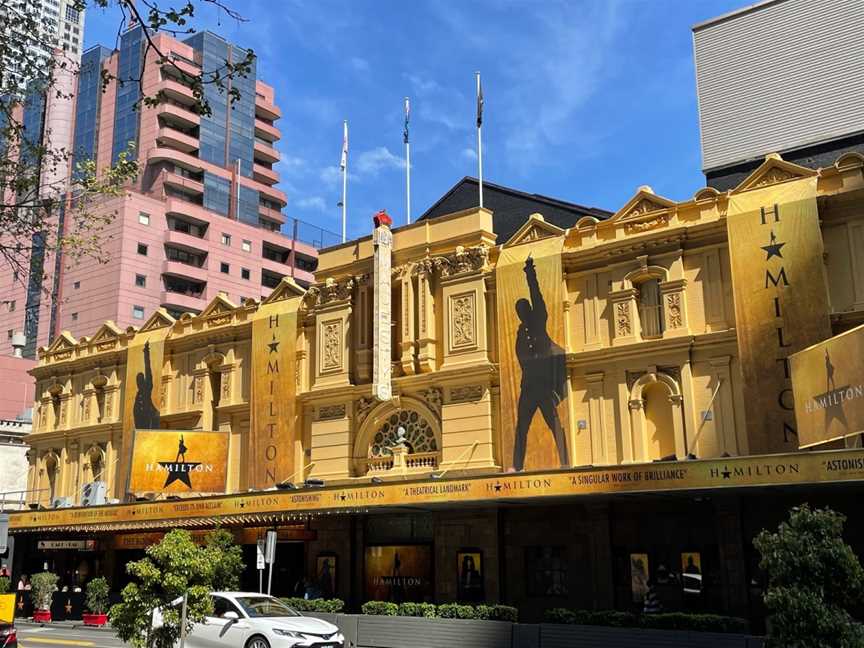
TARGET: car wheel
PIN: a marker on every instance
(257, 642)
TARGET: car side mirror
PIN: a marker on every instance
(231, 616)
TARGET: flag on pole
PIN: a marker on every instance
(407, 119)
(344, 162)
(479, 102)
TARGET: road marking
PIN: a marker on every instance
(61, 642)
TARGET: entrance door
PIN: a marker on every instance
(289, 570)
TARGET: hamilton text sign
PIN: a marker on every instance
(179, 461)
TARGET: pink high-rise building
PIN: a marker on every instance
(204, 216)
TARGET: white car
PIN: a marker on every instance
(252, 620)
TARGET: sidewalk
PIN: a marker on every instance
(71, 625)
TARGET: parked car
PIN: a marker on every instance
(8, 636)
(252, 620)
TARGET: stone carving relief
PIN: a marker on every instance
(463, 260)
(87, 398)
(330, 291)
(623, 325)
(332, 345)
(364, 406)
(643, 226)
(673, 309)
(433, 398)
(226, 385)
(466, 393)
(462, 318)
(326, 412)
(773, 176)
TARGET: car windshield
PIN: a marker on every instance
(265, 606)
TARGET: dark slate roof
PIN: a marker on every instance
(510, 208)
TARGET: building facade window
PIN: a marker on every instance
(246, 245)
(224, 268)
(11, 305)
(76, 285)
(74, 317)
(141, 281)
(650, 308)
(144, 218)
(226, 239)
(138, 312)
(244, 273)
(142, 249)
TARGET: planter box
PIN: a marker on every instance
(405, 632)
(42, 616)
(576, 636)
(94, 619)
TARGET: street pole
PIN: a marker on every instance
(183, 620)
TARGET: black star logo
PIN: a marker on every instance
(343, 497)
(773, 248)
(242, 504)
(274, 345)
(178, 471)
(497, 486)
(726, 474)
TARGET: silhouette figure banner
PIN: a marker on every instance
(530, 296)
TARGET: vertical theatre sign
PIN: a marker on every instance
(274, 386)
(530, 291)
(781, 301)
(382, 243)
(143, 400)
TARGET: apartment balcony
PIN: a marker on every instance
(173, 138)
(187, 241)
(267, 131)
(187, 185)
(266, 152)
(264, 175)
(165, 154)
(176, 91)
(178, 269)
(174, 205)
(271, 214)
(178, 114)
(275, 267)
(183, 301)
(265, 109)
(179, 65)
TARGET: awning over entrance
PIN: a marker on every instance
(286, 506)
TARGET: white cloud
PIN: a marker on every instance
(380, 158)
(359, 64)
(469, 154)
(291, 165)
(312, 203)
(331, 176)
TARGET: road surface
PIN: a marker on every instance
(60, 637)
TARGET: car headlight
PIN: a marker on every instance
(288, 633)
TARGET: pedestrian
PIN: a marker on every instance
(652, 603)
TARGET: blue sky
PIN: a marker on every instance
(585, 101)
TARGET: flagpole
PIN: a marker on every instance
(344, 180)
(479, 139)
(407, 164)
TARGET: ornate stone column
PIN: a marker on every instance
(674, 301)
(625, 316)
(426, 342)
(406, 317)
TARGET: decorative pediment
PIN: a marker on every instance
(774, 170)
(159, 319)
(643, 203)
(286, 289)
(63, 342)
(106, 338)
(534, 229)
(219, 305)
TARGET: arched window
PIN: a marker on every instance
(405, 442)
(650, 308)
(659, 421)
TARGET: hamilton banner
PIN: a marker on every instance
(781, 300)
(179, 461)
(274, 418)
(530, 294)
(142, 398)
(828, 381)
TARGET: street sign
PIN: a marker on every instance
(270, 551)
(260, 555)
(4, 532)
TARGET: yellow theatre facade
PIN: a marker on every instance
(558, 402)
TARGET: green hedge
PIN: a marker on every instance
(443, 611)
(664, 621)
(333, 606)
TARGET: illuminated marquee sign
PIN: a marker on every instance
(732, 472)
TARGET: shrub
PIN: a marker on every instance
(43, 585)
(4, 584)
(97, 595)
(456, 611)
(379, 608)
(814, 581)
(502, 613)
(665, 621)
(330, 606)
(425, 610)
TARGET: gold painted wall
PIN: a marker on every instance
(646, 304)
